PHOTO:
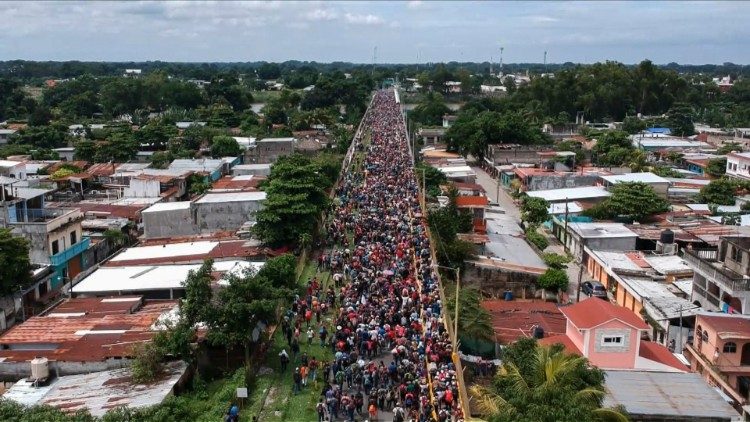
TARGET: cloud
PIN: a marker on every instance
(543, 19)
(367, 19)
(321, 15)
(414, 4)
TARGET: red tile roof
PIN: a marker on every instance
(570, 347)
(594, 312)
(472, 201)
(230, 182)
(726, 325)
(515, 319)
(658, 353)
(129, 322)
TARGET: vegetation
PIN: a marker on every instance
(433, 178)
(296, 195)
(430, 110)
(719, 191)
(556, 261)
(534, 211)
(474, 322)
(629, 200)
(535, 238)
(225, 146)
(544, 384)
(716, 167)
(554, 279)
(15, 268)
(445, 223)
(476, 128)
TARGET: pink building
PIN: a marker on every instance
(720, 351)
(611, 337)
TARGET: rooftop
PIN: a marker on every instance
(590, 313)
(601, 230)
(265, 140)
(665, 394)
(472, 201)
(139, 278)
(85, 329)
(213, 198)
(562, 208)
(167, 206)
(515, 319)
(570, 194)
(184, 252)
(98, 392)
(635, 177)
(727, 326)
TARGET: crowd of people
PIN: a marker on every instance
(392, 353)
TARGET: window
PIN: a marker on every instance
(612, 340)
(735, 255)
(730, 347)
(73, 238)
(704, 335)
(55, 247)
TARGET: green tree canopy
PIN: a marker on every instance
(554, 279)
(15, 268)
(544, 384)
(632, 200)
(719, 191)
(225, 146)
(534, 210)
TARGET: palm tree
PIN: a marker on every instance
(535, 388)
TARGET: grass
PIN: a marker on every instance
(265, 96)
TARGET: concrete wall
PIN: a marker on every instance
(14, 371)
(222, 216)
(611, 243)
(573, 180)
(169, 223)
(143, 188)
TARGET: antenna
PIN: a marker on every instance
(491, 72)
(374, 56)
(501, 59)
(545, 61)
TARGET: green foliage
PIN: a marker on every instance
(536, 239)
(62, 173)
(15, 268)
(14, 412)
(119, 147)
(156, 134)
(680, 119)
(430, 110)
(445, 223)
(197, 184)
(473, 132)
(632, 200)
(433, 178)
(556, 261)
(665, 171)
(48, 137)
(719, 191)
(534, 210)
(295, 198)
(147, 363)
(161, 159)
(544, 384)
(729, 147)
(225, 146)
(633, 125)
(474, 322)
(554, 279)
(329, 165)
(195, 307)
(115, 236)
(716, 167)
(613, 148)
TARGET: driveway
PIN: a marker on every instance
(505, 201)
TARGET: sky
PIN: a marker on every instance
(403, 32)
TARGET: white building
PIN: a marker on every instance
(738, 165)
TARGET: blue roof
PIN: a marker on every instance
(661, 130)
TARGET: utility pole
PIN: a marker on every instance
(545, 61)
(565, 235)
(455, 320)
(680, 337)
(580, 276)
(501, 59)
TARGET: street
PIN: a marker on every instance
(505, 201)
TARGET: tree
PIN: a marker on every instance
(147, 363)
(195, 307)
(474, 322)
(225, 146)
(680, 120)
(48, 137)
(633, 125)
(269, 71)
(295, 198)
(534, 210)
(719, 191)
(632, 200)
(716, 167)
(433, 178)
(556, 261)
(544, 384)
(15, 268)
(119, 147)
(536, 239)
(554, 279)
(430, 110)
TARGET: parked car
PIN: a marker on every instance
(594, 288)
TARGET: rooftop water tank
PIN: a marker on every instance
(39, 368)
(666, 237)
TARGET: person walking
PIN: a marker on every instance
(284, 360)
(297, 378)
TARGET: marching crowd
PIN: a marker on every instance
(392, 352)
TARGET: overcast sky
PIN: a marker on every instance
(415, 31)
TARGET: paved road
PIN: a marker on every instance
(505, 201)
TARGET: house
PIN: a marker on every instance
(657, 142)
(453, 87)
(214, 168)
(268, 150)
(431, 136)
(132, 73)
(575, 236)
(513, 320)
(720, 352)
(533, 179)
(721, 281)
(738, 165)
(655, 285)
(587, 196)
(5, 135)
(458, 173)
(474, 204)
(152, 281)
(448, 120)
(656, 396)
(13, 169)
(659, 184)
(491, 89)
(611, 337)
(185, 125)
(251, 170)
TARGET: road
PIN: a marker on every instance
(505, 201)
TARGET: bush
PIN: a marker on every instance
(554, 279)
(536, 239)
(556, 261)
(147, 363)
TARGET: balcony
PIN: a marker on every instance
(705, 262)
(63, 257)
